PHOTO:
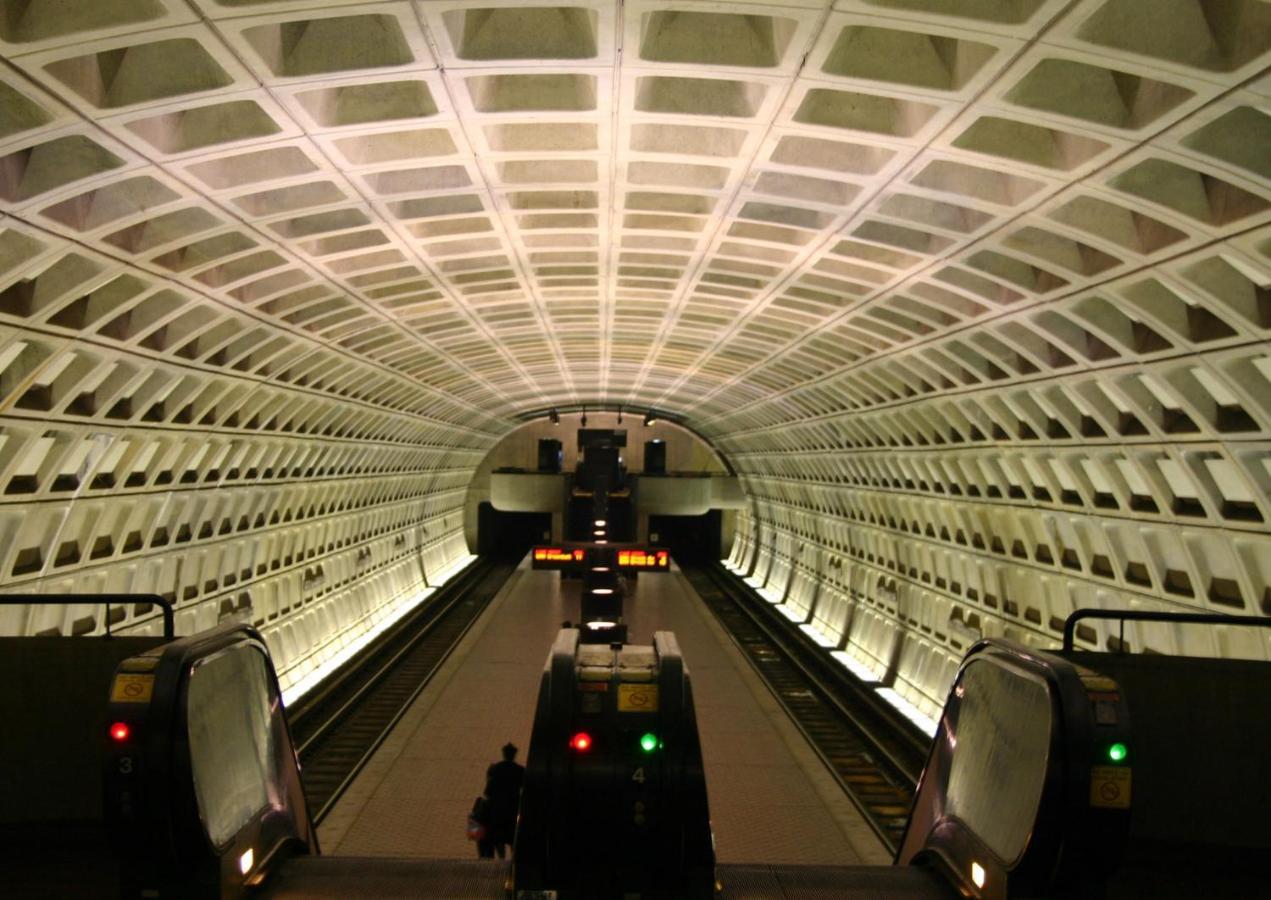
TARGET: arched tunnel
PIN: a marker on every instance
(971, 297)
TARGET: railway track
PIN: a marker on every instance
(877, 758)
(338, 729)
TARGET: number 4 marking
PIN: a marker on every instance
(638, 775)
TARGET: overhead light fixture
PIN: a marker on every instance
(649, 418)
(555, 417)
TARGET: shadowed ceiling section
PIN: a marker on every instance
(974, 294)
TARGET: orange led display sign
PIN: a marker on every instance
(557, 557)
(558, 554)
(579, 557)
(641, 559)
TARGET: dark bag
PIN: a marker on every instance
(478, 818)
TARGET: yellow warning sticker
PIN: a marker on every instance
(1110, 787)
(1098, 683)
(637, 698)
(132, 688)
(139, 664)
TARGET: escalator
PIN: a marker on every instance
(1052, 774)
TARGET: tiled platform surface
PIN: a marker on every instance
(772, 801)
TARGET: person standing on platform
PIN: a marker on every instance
(503, 791)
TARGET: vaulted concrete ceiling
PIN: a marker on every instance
(1008, 257)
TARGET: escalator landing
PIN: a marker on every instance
(321, 877)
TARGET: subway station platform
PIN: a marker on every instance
(772, 800)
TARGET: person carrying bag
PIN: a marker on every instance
(479, 827)
(503, 782)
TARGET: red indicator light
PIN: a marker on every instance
(120, 731)
(581, 741)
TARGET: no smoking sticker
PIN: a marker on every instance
(637, 698)
(130, 688)
(1110, 787)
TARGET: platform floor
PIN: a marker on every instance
(772, 800)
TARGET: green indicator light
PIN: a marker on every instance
(649, 742)
(1117, 752)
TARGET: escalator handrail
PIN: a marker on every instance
(182, 653)
(107, 600)
(1143, 615)
(168, 842)
(1061, 792)
(192, 647)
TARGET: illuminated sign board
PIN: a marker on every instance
(638, 559)
(558, 558)
(578, 557)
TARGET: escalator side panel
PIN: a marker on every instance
(1004, 804)
(206, 795)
